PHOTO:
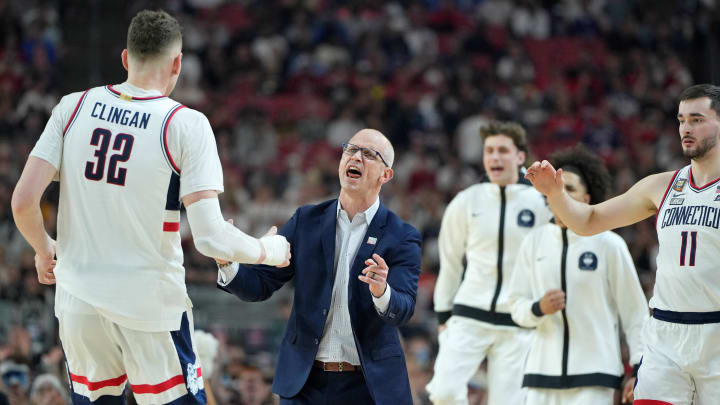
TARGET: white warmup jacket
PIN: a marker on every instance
(578, 346)
(485, 223)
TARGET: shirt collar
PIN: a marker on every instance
(135, 91)
(368, 213)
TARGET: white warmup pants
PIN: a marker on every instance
(464, 344)
(571, 396)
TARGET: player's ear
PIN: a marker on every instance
(124, 57)
(177, 64)
(586, 198)
(521, 157)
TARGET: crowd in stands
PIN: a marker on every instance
(285, 83)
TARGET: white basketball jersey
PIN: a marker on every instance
(688, 278)
(124, 162)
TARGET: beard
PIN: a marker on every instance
(701, 149)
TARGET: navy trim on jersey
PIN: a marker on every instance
(572, 381)
(117, 94)
(163, 137)
(687, 318)
(74, 115)
(495, 318)
(173, 194)
(667, 190)
(183, 345)
(695, 188)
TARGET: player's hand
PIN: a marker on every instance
(545, 178)
(272, 232)
(627, 394)
(552, 301)
(45, 265)
(375, 275)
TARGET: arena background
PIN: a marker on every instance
(284, 83)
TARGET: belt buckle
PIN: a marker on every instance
(340, 367)
(324, 366)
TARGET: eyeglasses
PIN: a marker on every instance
(367, 153)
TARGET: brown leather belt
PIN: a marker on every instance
(335, 367)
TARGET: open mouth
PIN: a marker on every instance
(353, 172)
(496, 169)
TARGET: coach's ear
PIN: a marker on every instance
(124, 57)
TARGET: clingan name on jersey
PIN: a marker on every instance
(120, 115)
(701, 215)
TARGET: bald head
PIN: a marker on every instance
(376, 140)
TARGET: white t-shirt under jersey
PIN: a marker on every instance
(125, 157)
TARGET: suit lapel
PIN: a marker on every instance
(365, 251)
(328, 239)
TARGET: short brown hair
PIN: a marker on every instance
(511, 129)
(151, 33)
(703, 90)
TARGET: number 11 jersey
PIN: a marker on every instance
(688, 272)
(125, 157)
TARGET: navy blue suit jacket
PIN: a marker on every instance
(311, 233)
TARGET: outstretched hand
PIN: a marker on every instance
(375, 275)
(545, 178)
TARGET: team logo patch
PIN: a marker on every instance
(588, 261)
(194, 384)
(679, 201)
(679, 184)
(717, 197)
(526, 218)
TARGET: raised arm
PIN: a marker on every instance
(639, 202)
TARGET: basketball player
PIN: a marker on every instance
(485, 223)
(574, 289)
(126, 156)
(680, 359)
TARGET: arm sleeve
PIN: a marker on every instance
(404, 263)
(192, 146)
(452, 242)
(628, 296)
(50, 145)
(520, 295)
(216, 238)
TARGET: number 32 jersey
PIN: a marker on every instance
(125, 157)
(688, 276)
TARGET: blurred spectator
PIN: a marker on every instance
(15, 378)
(48, 390)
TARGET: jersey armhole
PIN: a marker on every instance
(163, 138)
(667, 190)
(78, 106)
